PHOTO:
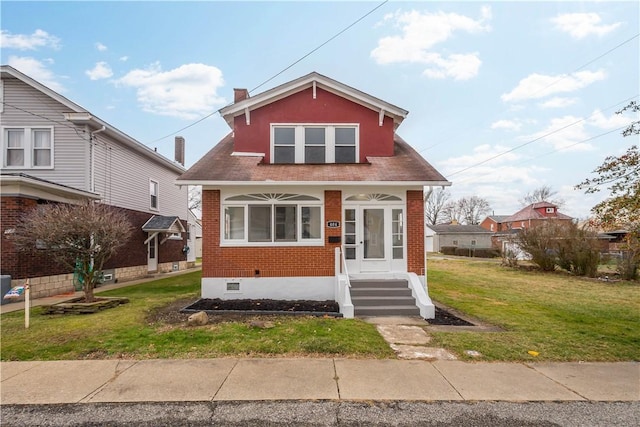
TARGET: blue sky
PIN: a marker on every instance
(537, 81)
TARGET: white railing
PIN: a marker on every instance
(343, 285)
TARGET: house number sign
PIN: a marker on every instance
(333, 224)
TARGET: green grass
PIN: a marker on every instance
(561, 317)
(125, 332)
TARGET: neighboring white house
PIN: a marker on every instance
(53, 150)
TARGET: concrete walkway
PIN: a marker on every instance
(238, 379)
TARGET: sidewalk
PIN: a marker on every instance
(238, 379)
(15, 306)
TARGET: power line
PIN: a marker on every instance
(564, 76)
(554, 151)
(536, 139)
(284, 69)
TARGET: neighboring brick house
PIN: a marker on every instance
(53, 150)
(310, 166)
(533, 215)
(461, 236)
(506, 227)
(493, 223)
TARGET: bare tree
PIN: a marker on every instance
(82, 237)
(434, 206)
(468, 210)
(542, 194)
(451, 212)
(473, 209)
(195, 198)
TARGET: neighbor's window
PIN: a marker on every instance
(28, 147)
(314, 143)
(273, 218)
(473, 243)
(153, 192)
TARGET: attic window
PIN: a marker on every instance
(550, 210)
(314, 143)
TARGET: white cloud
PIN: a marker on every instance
(558, 102)
(124, 58)
(100, 47)
(457, 66)
(507, 124)
(599, 120)
(188, 91)
(537, 86)
(421, 32)
(564, 133)
(36, 70)
(581, 25)
(101, 70)
(38, 39)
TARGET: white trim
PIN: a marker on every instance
(247, 115)
(157, 195)
(243, 154)
(381, 117)
(309, 81)
(329, 140)
(417, 185)
(28, 147)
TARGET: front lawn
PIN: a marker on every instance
(132, 331)
(563, 318)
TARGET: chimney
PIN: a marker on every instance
(179, 156)
(240, 95)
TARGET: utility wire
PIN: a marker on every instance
(536, 139)
(284, 69)
(564, 76)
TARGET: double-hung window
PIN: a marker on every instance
(314, 143)
(153, 194)
(272, 218)
(28, 148)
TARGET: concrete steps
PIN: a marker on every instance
(382, 298)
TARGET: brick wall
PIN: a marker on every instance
(134, 253)
(415, 232)
(19, 264)
(281, 261)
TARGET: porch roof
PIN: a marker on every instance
(163, 224)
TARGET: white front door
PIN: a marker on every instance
(374, 238)
(152, 254)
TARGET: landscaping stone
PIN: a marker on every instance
(198, 319)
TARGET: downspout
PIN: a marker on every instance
(92, 156)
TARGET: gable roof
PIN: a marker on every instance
(220, 167)
(80, 116)
(459, 229)
(313, 80)
(163, 224)
(530, 212)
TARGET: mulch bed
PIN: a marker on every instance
(443, 317)
(216, 304)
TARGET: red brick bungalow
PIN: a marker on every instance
(311, 166)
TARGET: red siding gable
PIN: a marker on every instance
(327, 108)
